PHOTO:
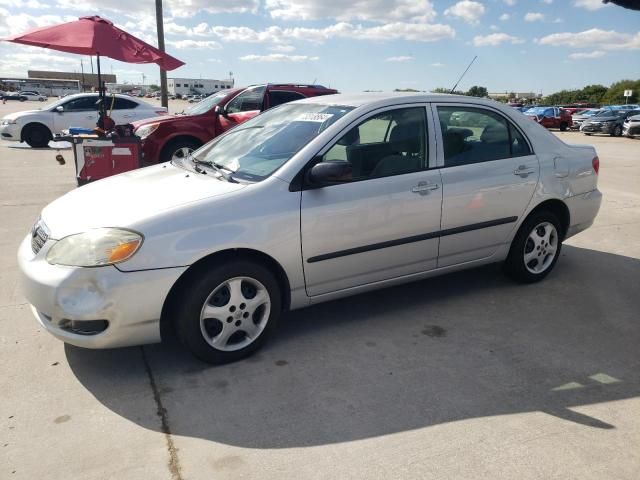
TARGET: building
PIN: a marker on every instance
(88, 81)
(127, 88)
(188, 86)
(51, 87)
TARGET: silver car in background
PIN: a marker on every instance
(311, 201)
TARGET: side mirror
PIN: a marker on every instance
(330, 173)
(59, 109)
(221, 111)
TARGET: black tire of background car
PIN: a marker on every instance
(37, 135)
(199, 289)
(514, 266)
(563, 126)
(171, 147)
(617, 131)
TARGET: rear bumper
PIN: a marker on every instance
(583, 209)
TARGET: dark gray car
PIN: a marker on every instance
(608, 121)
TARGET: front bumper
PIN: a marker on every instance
(632, 129)
(583, 209)
(597, 128)
(10, 132)
(129, 302)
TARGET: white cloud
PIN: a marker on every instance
(511, 3)
(493, 27)
(533, 17)
(14, 24)
(558, 20)
(277, 57)
(418, 32)
(593, 38)
(172, 8)
(467, 10)
(282, 48)
(437, 64)
(594, 54)
(32, 58)
(376, 10)
(548, 2)
(589, 4)
(495, 39)
(400, 58)
(194, 44)
(34, 4)
(504, 17)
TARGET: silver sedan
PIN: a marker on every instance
(311, 201)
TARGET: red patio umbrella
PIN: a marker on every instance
(96, 36)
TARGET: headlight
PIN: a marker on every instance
(146, 130)
(95, 248)
(8, 122)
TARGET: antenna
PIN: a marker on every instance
(463, 74)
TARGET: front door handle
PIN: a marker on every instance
(423, 188)
(523, 171)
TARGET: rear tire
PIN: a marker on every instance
(617, 131)
(563, 127)
(178, 149)
(535, 248)
(229, 311)
(37, 136)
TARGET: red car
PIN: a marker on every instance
(551, 117)
(176, 136)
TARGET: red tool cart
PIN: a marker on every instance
(101, 157)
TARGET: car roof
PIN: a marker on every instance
(383, 99)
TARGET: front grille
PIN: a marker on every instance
(39, 236)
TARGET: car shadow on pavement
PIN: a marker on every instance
(461, 346)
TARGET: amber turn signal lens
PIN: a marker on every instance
(123, 251)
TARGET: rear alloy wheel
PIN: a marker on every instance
(228, 312)
(37, 136)
(535, 249)
(617, 131)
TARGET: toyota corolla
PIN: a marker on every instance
(311, 201)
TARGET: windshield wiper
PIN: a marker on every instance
(217, 167)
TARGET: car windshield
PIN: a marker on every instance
(257, 148)
(206, 104)
(589, 113)
(537, 110)
(608, 113)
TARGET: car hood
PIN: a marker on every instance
(16, 115)
(125, 199)
(602, 119)
(161, 119)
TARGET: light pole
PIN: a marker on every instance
(164, 99)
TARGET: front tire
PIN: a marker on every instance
(535, 248)
(617, 131)
(178, 149)
(37, 136)
(229, 311)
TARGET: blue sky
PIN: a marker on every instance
(535, 45)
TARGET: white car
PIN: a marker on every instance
(37, 127)
(310, 201)
(34, 96)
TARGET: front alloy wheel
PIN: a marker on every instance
(228, 310)
(235, 314)
(182, 152)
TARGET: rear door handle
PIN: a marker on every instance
(423, 188)
(523, 171)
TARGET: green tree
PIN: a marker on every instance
(153, 87)
(477, 91)
(615, 93)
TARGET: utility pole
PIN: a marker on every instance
(164, 99)
(82, 70)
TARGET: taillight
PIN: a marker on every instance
(596, 164)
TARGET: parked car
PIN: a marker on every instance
(34, 96)
(609, 122)
(37, 127)
(550, 117)
(178, 135)
(14, 96)
(579, 117)
(631, 126)
(311, 201)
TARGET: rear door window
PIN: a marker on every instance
(278, 97)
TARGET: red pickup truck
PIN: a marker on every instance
(176, 136)
(551, 117)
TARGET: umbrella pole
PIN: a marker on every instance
(100, 92)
